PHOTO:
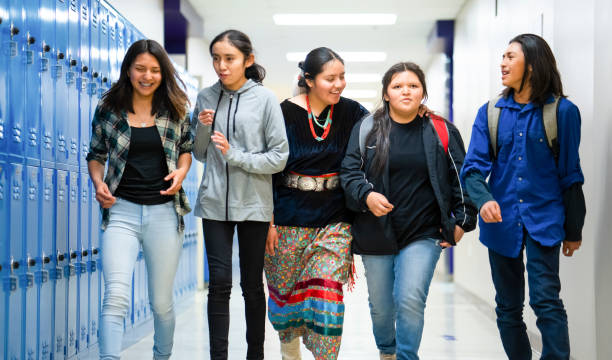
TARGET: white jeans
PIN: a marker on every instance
(155, 228)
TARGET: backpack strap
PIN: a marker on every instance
(364, 129)
(440, 125)
(549, 118)
(493, 113)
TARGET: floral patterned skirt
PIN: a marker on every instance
(305, 278)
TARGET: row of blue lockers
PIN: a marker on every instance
(57, 58)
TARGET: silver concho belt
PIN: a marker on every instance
(311, 183)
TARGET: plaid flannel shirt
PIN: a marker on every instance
(110, 139)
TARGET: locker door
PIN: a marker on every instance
(121, 47)
(47, 68)
(94, 274)
(31, 263)
(83, 254)
(85, 99)
(73, 71)
(104, 51)
(13, 295)
(60, 251)
(112, 48)
(4, 221)
(70, 269)
(16, 90)
(4, 81)
(46, 248)
(31, 59)
(60, 74)
(94, 52)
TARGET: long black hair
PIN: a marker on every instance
(241, 41)
(169, 96)
(314, 63)
(545, 79)
(381, 126)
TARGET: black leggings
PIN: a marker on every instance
(218, 237)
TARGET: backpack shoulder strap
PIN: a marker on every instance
(493, 113)
(549, 118)
(442, 130)
(364, 129)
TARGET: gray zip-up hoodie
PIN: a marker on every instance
(238, 186)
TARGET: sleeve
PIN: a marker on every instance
(98, 149)
(352, 174)
(477, 188)
(185, 144)
(275, 158)
(200, 133)
(478, 158)
(463, 208)
(568, 125)
(575, 212)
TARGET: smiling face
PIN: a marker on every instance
(230, 64)
(145, 75)
(327, 86)
(513, 67)
(404, 94)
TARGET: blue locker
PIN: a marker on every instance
(61, 263)
(83, 255)
(94, 51)
(105, 55)
(48, 73)
(16, 90)
(4, 221)
(31, 263)
(46, 250)
(73, 70)
(31, 59)
(62, 79)
(4, 81)
(11, 286)
(112, 48)
(70, 269)
(95, 293)
(121, 39)
(85, 98)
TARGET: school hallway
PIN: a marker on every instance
(457, 326)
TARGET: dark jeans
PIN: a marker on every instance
(218, 238)
(544, 287)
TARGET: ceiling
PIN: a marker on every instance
(404, 41)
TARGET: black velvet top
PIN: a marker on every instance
(308, 156)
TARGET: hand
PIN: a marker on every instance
(104, 196)
(271, 240)
(206, 116)
(423, 109)
(458, 235)
(177, 177)
(378, 204)
(220, 142)
(570, 246)
(490, 212)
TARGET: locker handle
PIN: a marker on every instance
(73, 62)
(85, 69)
(0, 23)
(95, 75)
(46, 260)
(15, 265)
(31, 262)
(61, 56)
(73, 255)
(14, 30)
(46, 48)
(0, 19)
(104, 79)
(85, 252)
(95, 251)
(31, 40)
(60, 257)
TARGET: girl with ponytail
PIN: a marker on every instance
(240, 135)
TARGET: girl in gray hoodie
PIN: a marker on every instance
(240, 136)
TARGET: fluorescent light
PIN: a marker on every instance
(334, 19)
(362, 78)
(360, 93)
(352, 56)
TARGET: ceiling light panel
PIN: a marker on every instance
(334, 19)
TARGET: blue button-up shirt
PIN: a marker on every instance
(524, 179)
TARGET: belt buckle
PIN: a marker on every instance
(306, 183)
(332, 183)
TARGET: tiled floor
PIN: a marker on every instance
(455, 328)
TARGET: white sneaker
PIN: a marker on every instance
(387, 356)
(291, 350)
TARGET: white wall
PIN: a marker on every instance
(146, 15)
(578, 32)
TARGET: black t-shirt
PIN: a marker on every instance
(416, 214)
(308, 156)
(143, 176)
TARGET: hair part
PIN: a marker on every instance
(241, 41)
(381, 127)
(313, 65)
(540, 69)
(169, 96)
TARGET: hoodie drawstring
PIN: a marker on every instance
(216, 108)
(235, 111)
